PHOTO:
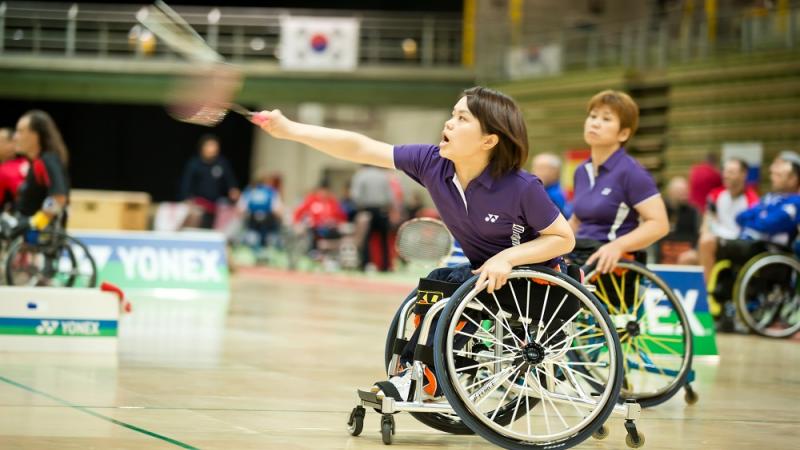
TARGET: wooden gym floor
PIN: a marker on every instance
(280, 369)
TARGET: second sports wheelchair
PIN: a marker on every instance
(537, 364)
(48, 257)
(654, 329)
(758, 283)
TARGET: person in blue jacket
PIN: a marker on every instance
(775, 218)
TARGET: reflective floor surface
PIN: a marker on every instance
(279, 371)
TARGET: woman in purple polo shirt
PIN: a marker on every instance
(616, 200)
(501, 215)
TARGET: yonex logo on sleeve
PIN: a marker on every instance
(491, 218)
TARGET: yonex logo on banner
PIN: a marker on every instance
(69, 327)
(47, 327)
(25, 326)
(152, 264)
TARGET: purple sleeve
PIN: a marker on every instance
(639, 186)
(413, 159)
(540, 212)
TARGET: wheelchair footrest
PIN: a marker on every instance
(370, 399)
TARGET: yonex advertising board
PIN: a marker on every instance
(160, 261)
(58, 319)
(688, 285)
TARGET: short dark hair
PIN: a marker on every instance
(49, 137)
(742, 164)
(623, 106)
(498, 114)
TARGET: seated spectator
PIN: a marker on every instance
(775, 218)
(723, 205)
(44, 194)
(677, 247)
(262, 206)
(322, 213)
(547, 167)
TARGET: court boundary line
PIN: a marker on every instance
(98, 415)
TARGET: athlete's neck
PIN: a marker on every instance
(467, 171)
(600, 154)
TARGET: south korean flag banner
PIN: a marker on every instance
(319, 43)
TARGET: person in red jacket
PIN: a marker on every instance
(322, 213)
(703, 178)
(13, 168)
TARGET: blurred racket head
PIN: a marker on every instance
(203, 93)
(424, 239)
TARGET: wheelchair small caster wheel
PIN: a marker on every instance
(634, 442)
(387, 429)
(601, 433)
(690, 396)
(356, 422)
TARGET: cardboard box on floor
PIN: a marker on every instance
(108, 210)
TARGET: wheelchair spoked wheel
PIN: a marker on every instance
(767, 295)
(509, 353)
(654, 332)
(57, 260)
(448, 423)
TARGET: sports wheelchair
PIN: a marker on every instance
(759, 283)
(48, 257)
(537, 364)
(654, 329)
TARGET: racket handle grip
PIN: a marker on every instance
(258, 119)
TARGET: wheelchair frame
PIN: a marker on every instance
(388, 406)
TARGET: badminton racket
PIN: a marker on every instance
(204, 94)
(424, 239)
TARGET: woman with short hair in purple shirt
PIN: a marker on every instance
(500, 214)
(616, 200)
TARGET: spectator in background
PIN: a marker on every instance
(547, 167)
(45, 192)
(677, 247)
(208, 179)
(348, 205)
(262, 206)
(775, 218)
(13, 168)
(321, 213)
(372, 192)
(724, 204)
(703, 178)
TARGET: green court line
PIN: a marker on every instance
(99, 416)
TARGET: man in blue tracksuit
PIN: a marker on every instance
(775, 218)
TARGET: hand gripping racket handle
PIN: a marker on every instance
(253, 116)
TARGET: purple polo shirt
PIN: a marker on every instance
(491, 215)
(605, 204)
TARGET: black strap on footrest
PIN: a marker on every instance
(389, 389)
(398, 346)
(424, 353)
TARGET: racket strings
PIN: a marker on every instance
(426, 240)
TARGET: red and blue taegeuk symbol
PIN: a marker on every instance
(319, 42)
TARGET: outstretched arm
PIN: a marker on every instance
(340, 144)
